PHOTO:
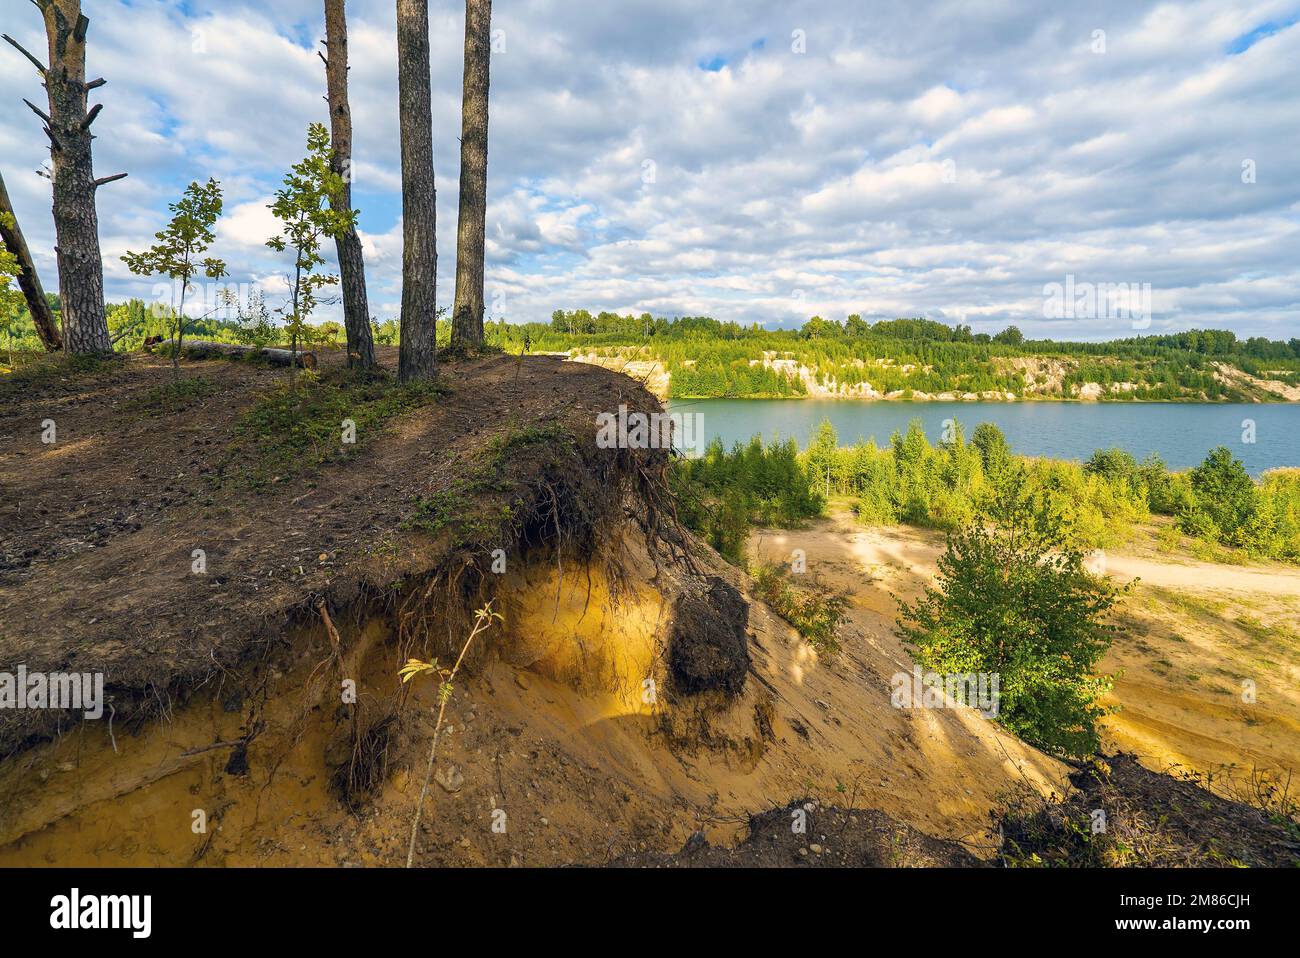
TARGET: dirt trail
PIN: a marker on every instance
(1199, 575)
(1199, 640)
(912, 549)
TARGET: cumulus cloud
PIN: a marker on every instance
(750, 159)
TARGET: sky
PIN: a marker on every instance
(750, 160)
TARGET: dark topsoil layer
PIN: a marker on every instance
(99, 527)
(830, 838)
(1151, 819)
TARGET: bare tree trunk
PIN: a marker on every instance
(297, 321)
(180, 329)
(467, 313)
(76, 224)
(28, 280)
(418, 352)
(352, 267)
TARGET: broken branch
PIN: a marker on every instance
(40, 67)
(38, 111)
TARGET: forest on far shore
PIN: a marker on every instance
(706, 358)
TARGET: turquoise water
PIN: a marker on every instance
(1182, 433)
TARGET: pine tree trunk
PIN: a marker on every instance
(28, 280)
(417, 356)
(76, 224)
(467, 313)
(352, 267)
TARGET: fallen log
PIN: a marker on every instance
(28, 281)
(202, 349)
(283, 357)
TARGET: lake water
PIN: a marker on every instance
(1182, 433)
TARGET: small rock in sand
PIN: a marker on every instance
(450, 778)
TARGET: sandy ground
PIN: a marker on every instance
(1207, 665)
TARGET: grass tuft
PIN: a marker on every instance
(172, 397)
(815, 611)
(293, 429)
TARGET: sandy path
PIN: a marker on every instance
(912, 549)
(1198, 575)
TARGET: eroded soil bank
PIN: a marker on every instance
(551, 727)
(635, 705)
(634, 696)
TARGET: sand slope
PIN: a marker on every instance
(1195, 634)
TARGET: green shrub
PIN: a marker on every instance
(1224, 506)
(1168, 493)
(1116, 465)
(991, 444)
(1280, 502)
(945, 486)
(815, 612)
(1224, 492)
(1014, 599)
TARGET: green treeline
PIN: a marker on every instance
(246, 322)
(707, 358)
